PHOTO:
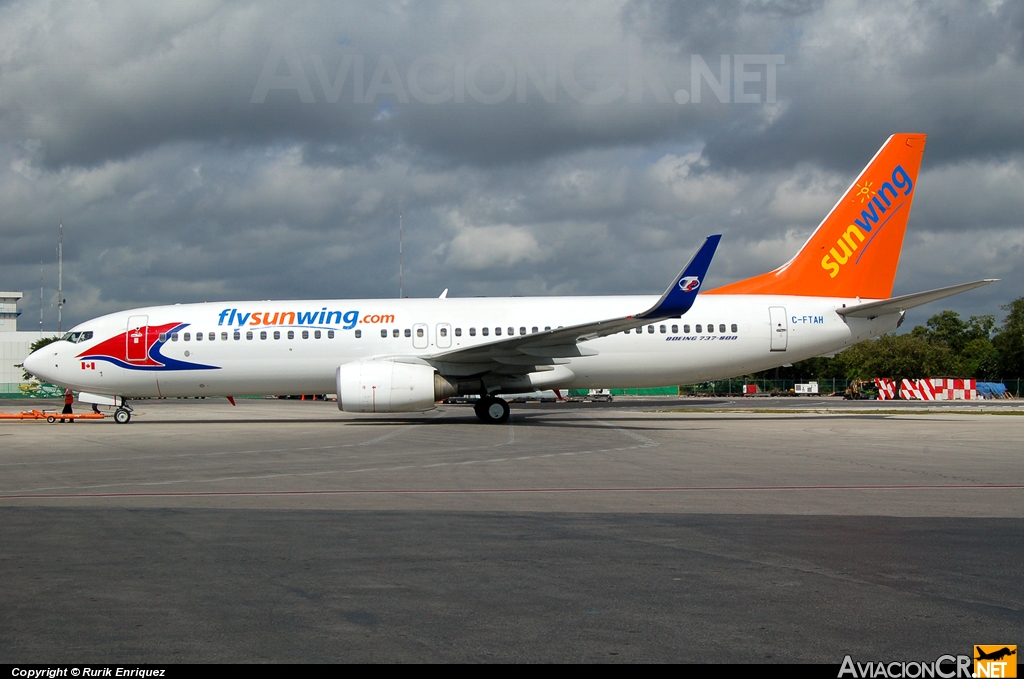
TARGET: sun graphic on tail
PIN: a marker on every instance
(864, 192)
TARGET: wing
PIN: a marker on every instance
(528, 353)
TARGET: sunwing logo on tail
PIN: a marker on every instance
(689, 283)
(885, 202)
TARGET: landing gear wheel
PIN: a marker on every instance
(491, 410)
(122, 416)
(51, 419)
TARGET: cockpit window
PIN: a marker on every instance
(76, 337)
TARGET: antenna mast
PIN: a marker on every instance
(399, 254)
(60, 276)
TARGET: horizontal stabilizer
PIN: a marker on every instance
(904, 302)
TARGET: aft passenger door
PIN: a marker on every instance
(137, 339)
(779, 329)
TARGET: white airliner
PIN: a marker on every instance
(403, 355)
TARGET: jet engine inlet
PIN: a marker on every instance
(390, 387)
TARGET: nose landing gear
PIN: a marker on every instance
(491, 409)
(123, 414)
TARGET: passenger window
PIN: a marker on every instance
(248, 335)
(263, 334)
(686, 329)
(224, 336)
(305, 334)
(383, 333)
(650, 329)
(458, 332)
(444, 332)
(277, 334)
(533, 329)
(187, 336)
(212, 336)
(396, 332)
(497, 332)
(485, 331)
(662, 329)
(547, 327)
(199, 337)
(174, 337)
(711, 327)
(472, 332)
(697, 328)
(163, 337)
(735, 328)
(408, 332)
(522, 331)
(721, 327)
(359, 333)
(238, 335)
(291, 334)
(419, 332)
(675, 329)
(316, 334)
(330, 334)
(511, 331)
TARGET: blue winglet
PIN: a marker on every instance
(681, 295)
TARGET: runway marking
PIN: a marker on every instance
(648, 442)
(498, 491)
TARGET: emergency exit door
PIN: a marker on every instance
(137, 338)
(444, 335)
(419, 336)
(779, 329)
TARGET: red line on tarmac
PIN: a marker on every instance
(469, 491)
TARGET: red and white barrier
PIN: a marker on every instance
(919, 390)
(949, 389)
(886, 389)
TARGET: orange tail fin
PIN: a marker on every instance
(855, 250)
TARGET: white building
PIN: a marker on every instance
(13, 344)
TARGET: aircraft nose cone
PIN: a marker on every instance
(36, 363)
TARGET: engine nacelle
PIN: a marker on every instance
(390, 387)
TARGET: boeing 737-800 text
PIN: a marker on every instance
(402, 355)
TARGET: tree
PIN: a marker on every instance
(1009, 342)
(948, 328)
(35, 346)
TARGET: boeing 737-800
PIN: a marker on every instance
(403, 355)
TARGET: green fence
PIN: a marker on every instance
(9, 390)
(735, 387)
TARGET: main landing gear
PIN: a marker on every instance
(491, 409)
(123, 414)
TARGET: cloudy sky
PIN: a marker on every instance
(205, 150)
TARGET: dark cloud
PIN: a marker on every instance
(532, 148)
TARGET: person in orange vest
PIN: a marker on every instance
(69, 398)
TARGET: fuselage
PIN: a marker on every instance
(292, 347)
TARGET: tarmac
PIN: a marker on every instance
(645, 530)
